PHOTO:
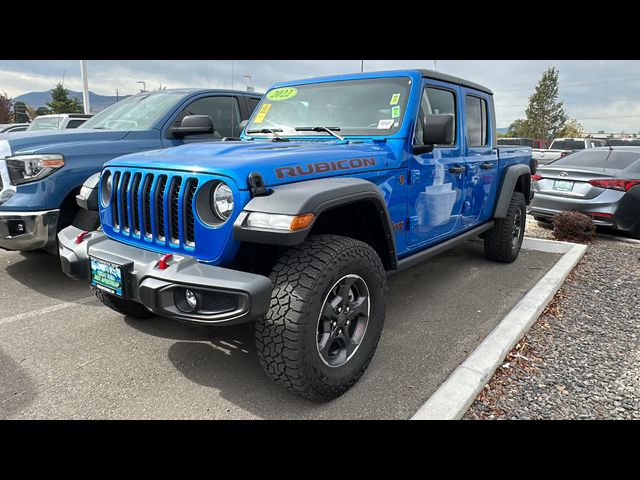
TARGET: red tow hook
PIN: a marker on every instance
(162, 263)
(80, 237)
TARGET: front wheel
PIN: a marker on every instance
(326, 316)
(503, 242)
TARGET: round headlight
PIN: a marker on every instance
(107, 188)
(222, 201)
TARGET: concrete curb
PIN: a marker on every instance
(457, 393)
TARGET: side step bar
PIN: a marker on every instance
(419, 257)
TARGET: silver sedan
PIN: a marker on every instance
(601, 182)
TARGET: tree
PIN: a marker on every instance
(572, 129)
(61, 103)
(5, 108)
(545, 114)
(519, 129)
(42, 111)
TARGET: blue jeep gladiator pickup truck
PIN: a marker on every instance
(335, 183)
(41, 172)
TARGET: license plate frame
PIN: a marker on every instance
(563, 185)
(111, 278)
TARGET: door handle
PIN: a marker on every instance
(486, 166)
(458, 169)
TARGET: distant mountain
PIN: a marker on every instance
(502, 130)
(97, 102)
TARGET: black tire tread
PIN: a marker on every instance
(279, 335)
(497, 241)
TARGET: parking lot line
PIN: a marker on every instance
(46, 310)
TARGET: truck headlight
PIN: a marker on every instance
(106, 189)
(222, 201)
(29, 168)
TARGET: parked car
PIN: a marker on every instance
(561, 147)
(601, 182)
(41, 172)
(336, 182)
(13, 127)
(525, 142)
(58, 121)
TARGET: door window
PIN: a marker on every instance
(435, 101)
(476, 114)
(223, 111)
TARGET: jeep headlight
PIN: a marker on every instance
(222, 201)
(106, 188)
(29, 168)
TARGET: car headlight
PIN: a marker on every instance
(106, 188)
(29, 168)
(222, 201)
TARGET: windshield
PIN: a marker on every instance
(568, 144)
(45, 123)
(139, 112)
(374, 106)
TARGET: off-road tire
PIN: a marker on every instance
(498, 245)
(286, 338)
(125, 307)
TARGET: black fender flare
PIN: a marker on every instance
(88, 196)
(510, 178)
(312, 196)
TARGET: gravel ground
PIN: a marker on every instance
(581, 360)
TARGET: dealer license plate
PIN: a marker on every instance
(107, 276)
(563, 185)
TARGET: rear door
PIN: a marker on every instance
(481, 160)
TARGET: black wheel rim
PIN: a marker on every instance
(517, 229)
(343, 320)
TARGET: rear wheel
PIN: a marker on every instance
(503, 242)
(125, 307)
(326, 316)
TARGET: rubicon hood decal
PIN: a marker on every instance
(322, 167)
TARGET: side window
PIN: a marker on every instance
(435, 101)
(476, 114)
(224, 112)
(536, 144)
(75, 123)
(253, 103)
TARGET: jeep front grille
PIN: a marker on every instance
(158, 207)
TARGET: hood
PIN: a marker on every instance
(33, 142)
(277, 162)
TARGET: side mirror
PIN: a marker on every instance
(437, 130)
(193, 125)
(243, 124)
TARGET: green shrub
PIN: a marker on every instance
(573, 227)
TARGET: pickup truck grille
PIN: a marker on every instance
(158, 207)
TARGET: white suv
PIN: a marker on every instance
(58, 122)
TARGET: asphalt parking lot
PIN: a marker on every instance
(65, 356)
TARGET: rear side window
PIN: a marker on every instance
(568, 144)
(601, 159)
(253, 103)
(75, 123)
(476, 113)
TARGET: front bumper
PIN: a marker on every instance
(225, 296)
(28, 230)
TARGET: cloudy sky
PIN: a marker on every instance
(601, 94)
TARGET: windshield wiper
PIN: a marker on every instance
(272, 131)
(330, 130)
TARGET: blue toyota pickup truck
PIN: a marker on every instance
(41, 172)
(335, 183)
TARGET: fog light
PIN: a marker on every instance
(20, 227)
(191, 299)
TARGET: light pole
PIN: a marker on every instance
(249, 86)
(361, 66)
(85, 86)
(434, 65)
(144, 85)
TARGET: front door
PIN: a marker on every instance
(436, 178)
